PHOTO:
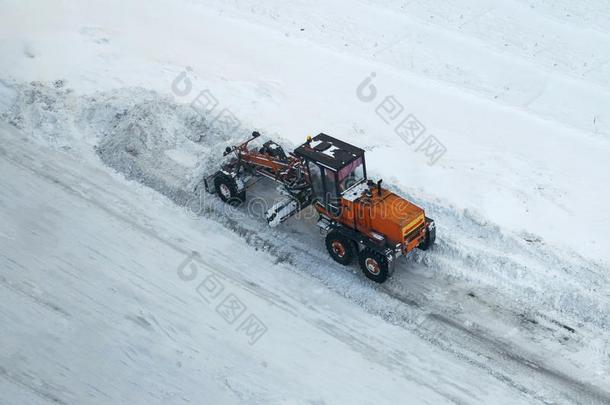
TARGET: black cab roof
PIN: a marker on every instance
(328, 151)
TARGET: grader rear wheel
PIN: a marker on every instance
(340, 248)
(374, 265)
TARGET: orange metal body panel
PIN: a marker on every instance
(264, 161)
(400, 221)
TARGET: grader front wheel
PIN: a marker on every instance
(226, 188)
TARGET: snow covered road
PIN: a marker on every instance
(95, 310)
(98, 312)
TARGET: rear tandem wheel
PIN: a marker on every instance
(374, 265)
(340, 248)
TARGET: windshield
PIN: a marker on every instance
(351, 175)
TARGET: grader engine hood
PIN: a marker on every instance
(396, 218)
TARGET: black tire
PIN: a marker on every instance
(430, 235)
(340, 248)
(374, 265)
(226, 188)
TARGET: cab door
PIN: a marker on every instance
(325, 191)
(317, 182)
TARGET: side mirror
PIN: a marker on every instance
(255, 134)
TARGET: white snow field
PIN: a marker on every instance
(117, 272)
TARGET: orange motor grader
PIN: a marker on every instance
(361, 219)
